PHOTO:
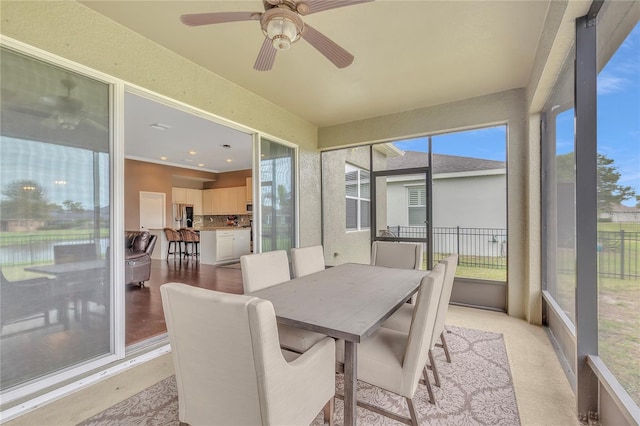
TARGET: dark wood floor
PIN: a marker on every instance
(144, 315)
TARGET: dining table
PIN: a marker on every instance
(349, 302)
(74, 277)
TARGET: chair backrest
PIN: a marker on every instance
(422, 322)
(172, 234)
(189, 235)
(225, 352)
(396, 255)
(69, 253)
(264, 270)
(307, 260)
(450, 265)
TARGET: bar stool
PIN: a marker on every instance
(174, 237)
(189, 236)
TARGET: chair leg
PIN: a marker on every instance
(328, 412)
(412, 412)
(432, 362)
(432, 398)
(445, 347)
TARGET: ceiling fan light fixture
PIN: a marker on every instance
(282, 27)
(67, 120)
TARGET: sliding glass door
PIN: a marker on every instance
(55, 232)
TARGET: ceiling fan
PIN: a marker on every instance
(282, 25)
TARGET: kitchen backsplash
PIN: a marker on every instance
(218, 221)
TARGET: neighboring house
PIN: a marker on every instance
(467, 192)
(622, 213)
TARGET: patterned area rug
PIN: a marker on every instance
(476, 389)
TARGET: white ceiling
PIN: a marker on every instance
(186, 134)
(408, 54)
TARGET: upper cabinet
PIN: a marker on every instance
(179, 195)
(249, 190)
(188, 196)
(224, 201)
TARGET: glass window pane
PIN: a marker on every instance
(352, 213)
(54, 204)
(469, 193)
(619, 214)
(278, 188)
(365, 191)
(365, 214)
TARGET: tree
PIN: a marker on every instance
(610, 192)
(73, 206)
(25, 199)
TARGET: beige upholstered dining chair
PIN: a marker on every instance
(401, 319)
(264, 270)
(307, 260)
(229, 366)
(395, 361)
(396, 255)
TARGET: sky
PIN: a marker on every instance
(618, 122)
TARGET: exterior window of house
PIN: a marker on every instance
(358, 198)
(417, 205)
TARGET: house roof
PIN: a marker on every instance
(443, 163)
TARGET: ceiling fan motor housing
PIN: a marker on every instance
(282, 26)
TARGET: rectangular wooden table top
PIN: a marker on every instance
(68, 268)
(348, 301)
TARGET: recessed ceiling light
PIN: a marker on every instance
(192, 152)
(228, 160)
(163, 158)
(188, 160)
(201, 165)
(159, 126)
(226, 146)
(60, 182)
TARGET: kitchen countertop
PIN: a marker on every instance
(224, 228)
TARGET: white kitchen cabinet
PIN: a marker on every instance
(179, 195)
(249, 190)
(225, 242)
(194, 197)
(224, 245)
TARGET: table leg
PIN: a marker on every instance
(350, 382)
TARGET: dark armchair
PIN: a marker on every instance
(137, 257)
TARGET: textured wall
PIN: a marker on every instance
(151, 177)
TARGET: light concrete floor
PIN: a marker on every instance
(542, 390)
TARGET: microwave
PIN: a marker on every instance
(249, 207)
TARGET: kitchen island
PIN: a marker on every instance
(224, 245)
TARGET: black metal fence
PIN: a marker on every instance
(619, 254)
(476, 247)
(618, 251)
(38, 248)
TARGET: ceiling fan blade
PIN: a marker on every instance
(265, 58)
(196, 19)
(316, 6)
(336, 54)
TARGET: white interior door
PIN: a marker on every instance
(152, 210)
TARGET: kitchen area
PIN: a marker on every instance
(221, 216)
(196, 174)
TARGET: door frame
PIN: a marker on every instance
(428, 239)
